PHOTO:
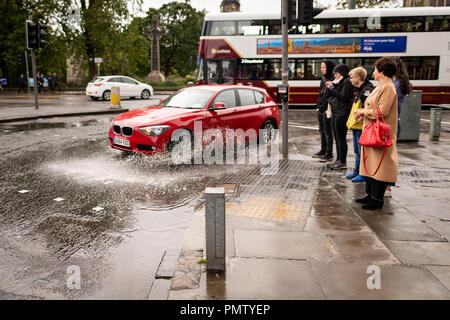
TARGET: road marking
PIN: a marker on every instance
(24, 191)
(97, 209)
(295, 125)
(58, 199)
(430, 120)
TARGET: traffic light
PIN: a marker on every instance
(42, 34)
(292, 12)
(31, 34)
(20, 59)
(305, 12)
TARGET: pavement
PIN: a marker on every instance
(300, 235)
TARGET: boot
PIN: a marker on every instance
(373, 204)
(366, 199)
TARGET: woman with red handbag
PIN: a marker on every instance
(378, 140)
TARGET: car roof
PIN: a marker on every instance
(220, 87)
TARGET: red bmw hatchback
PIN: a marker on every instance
(149, 129)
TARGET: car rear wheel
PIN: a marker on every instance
(145, 94)
(106, 95)
(268, 132)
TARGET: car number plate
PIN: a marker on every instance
(121, 142)
(89, 92)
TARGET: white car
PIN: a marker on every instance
(100, 87)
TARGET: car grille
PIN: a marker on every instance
(145, 147)
(127, 131)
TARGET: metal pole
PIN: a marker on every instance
(98, 67)
(35, 86)
(215, 228)
(284, 62)
(28, 72)
(352, 4)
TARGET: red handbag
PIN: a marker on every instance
(376, 134)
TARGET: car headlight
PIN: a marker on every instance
(154, 130)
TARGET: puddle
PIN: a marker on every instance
(37, 125)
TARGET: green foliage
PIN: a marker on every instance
(178, 49)
(343, 4)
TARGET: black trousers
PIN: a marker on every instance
(376, 188)
(339, 127)
(22, 88)
(326, 135)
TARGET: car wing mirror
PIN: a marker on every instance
(217, 106)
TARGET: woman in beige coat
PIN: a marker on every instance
(383, 97)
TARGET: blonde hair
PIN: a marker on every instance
(359, 72)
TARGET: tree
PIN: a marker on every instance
(92, 28)
(184, 25)
(343, 4)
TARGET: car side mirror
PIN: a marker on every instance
(217, 106)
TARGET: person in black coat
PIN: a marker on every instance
(326, 136)
(341, 99)
(22, 83)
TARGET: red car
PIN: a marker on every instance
(149, 130)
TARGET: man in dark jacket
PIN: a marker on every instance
(326, 136)
(22, 83)
(341, 98)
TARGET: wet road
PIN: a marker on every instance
(68, 199)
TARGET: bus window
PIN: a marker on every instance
(300, 69)
(275, 27)
(438, 23)
(422, 68)
(227, 71)
(313, 69)
(353, 62)
(213, 72)
(250, 28)
(276, 69)
(369, 65)
(356, 25)
(291, 69)
(200, 71)
(222, 28)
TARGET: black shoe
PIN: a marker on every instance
(332, 163)
(373, 204)
(318, 154)
(366, 199)
(326, 158)
(339, 166)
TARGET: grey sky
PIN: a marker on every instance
(213, 6)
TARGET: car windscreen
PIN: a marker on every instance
(189, 99)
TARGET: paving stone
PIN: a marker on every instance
(349, 281)
(442, 273)
(183, 282)
(283, 244)
(413, 252)
(160, 289)
(396, 223)
(362, 248)
(333, 225)
(186, 294)
(263, 279)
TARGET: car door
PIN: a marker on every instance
(225, 118)
(132, 87)
(115, 82)
(247, 109)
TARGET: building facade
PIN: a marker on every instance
(230, 6)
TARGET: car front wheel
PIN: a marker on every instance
(106, 95)
(145, 94)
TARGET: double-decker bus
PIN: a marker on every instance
(246, 48)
